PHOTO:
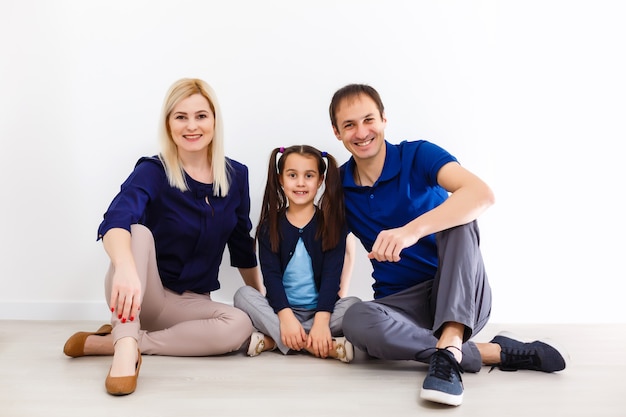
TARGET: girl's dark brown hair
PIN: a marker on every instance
(331, 213)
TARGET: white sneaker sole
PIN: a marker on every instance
(441, 397)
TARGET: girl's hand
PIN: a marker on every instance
(320, 340)
(292, 333)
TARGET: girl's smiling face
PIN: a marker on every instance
(300, 179)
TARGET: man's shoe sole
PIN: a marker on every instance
(441, 397)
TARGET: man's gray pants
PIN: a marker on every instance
(406, 325)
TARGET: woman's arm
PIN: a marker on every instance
(252, 277)
(125, 297)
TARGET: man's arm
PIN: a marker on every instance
(469, 198)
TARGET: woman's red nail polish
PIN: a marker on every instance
(112, 309)
(132, 318)
(124, 320)
(119, 316)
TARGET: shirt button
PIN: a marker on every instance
(371, 196)
(300, 230)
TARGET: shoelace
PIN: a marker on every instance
(514, 359)
(520, 359)
(425, 354)
(442, 362)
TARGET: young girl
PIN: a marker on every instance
(301, 252)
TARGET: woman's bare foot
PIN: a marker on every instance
(99, 345)
(125, 357)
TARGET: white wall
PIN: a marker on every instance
(529, 95)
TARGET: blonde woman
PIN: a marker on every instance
(165, 233)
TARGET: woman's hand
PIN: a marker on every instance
(125, 293)
(125, 297)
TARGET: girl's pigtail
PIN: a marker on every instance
(274, 201)
(332, 205)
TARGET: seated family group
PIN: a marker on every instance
(412, 206)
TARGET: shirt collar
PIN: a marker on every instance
(391, 167)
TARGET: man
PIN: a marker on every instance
(414, 209)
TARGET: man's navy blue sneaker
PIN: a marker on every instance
(536, 356)
(443, 383)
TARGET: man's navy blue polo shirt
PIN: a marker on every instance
(406, 189)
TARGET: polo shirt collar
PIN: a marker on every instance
(391, 168)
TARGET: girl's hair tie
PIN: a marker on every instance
(324, 154)
(281, 149)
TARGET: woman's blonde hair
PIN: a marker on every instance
(179, 91)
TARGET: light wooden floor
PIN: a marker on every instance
(38, 380)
